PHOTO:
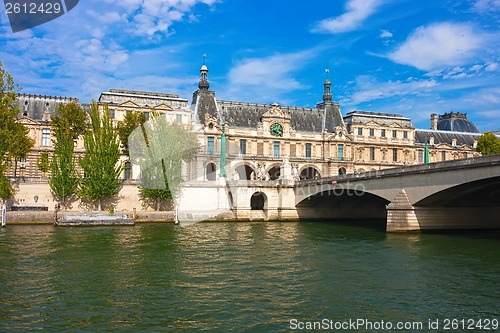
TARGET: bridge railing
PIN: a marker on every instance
(466, 163)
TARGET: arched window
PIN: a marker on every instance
(258, 201)
(342, 171)
(211, 171)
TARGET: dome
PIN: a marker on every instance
(456, 122)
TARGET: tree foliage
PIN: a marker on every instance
(161, 149)
(488, 144)
(14, 139)
(102, 154)
(44, 162)
(67, 126)
(131, 121)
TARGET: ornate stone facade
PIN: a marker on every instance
(264, 141)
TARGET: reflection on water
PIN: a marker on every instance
(239, 276)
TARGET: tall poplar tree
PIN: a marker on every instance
(67, 126)
(14, 139)
(125, 127)
(162, 148)
(100, 162)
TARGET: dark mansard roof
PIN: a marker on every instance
(240, 114)
(463, 138)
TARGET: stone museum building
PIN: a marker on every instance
(266, 141)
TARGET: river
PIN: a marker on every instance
(242, 277)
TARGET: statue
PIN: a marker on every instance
(295, 171)
(261, 171)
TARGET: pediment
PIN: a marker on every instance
(372, 123)
(275, 111)
(395, 125)
(27, 121)
(163, 107)
(129, 104)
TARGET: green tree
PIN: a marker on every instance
(67, 125)
(162, 148)
(14, 140)
(125, 127)
(100, 163)
(43, 162)
(22, 143)
(488, 144)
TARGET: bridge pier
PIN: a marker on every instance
(401, 214)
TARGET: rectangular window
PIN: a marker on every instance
(112, 113)
(22, 159)
(243, 147)
(260, 148)
(372, 132)
(210, 145)
(382, 133)
(360, 131)
(45, 136)
(405, 135)
(340, 152)
(308, 151)
(420, 156)
(394, 154)
(465, 155)
(394, 133)
(178, 118)
(372, 153)
(292, 150)
(128, 112)
(443, 156)
(276, 146)
(146, 114)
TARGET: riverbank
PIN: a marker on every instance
(32, 217)
(46, 217)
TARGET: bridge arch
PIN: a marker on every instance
(343, 203)
(478, 193)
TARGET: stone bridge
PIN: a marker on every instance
(454, 194)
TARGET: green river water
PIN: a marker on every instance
(244, 277)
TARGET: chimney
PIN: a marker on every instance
(434, 121)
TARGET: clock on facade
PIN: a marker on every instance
(276, 129)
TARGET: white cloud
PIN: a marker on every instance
(265, 79)
(441, 45)
(385, 34)
(368, 89)
(357, 11)
(491, 67)
(485, 6)
(150, 17)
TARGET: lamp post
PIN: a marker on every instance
(223, 173)
(426, 152)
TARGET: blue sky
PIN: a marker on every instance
(396, 56)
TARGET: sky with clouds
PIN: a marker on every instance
(398, 56)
